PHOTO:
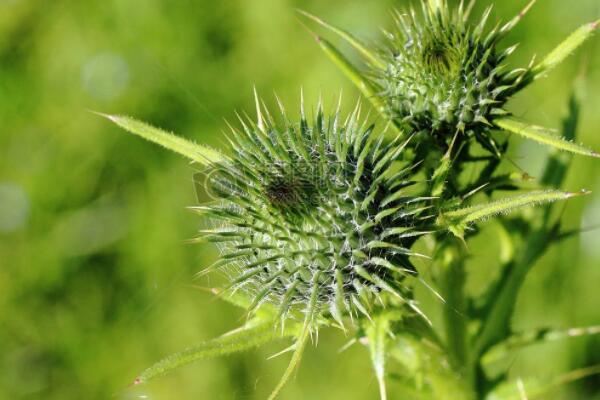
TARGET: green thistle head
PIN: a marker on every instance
(315, 215)
(443, 75)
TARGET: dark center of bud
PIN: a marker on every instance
(440, 58)
(290, 188)
(283, 192)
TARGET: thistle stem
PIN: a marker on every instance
(454, 311)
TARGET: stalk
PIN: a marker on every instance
(455, 313)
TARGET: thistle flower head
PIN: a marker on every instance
(442, 74)
(316, 213)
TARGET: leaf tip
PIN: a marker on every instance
(582, 192)
(528, 7)
(110, 117)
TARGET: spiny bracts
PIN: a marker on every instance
(316, 216)
(442, 75)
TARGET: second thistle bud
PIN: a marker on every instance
(443, 75)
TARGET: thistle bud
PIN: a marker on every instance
(317, 209)
(443, 75)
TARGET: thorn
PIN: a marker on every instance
(582, 192)
(113, 118)
(415, 308)
(302, 98)
(347, 345)
(474, 191)
(320, 103)
(468, 10)
(210, 290)
(435, 292)
(595, 25)
(281, 106)
(282, 352)
(449, 151)
(259, 117)
(527, 8)
(339, 104)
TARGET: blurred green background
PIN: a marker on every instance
(96, 282)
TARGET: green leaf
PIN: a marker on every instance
(542, 135)
(564, 49)
(252, 335)
(348, 37)
(377, 331)
(536, 388)
(539, 336)
(195, 152)
(458, 220)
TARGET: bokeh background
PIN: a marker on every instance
(96, 282)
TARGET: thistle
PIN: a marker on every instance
(447, 78)
(316, 220)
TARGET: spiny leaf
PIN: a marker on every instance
(536, 388)
(484, 211)
(377, 331)
(195, 152)
(348, 37)
(535, 337)
(457, 221)
(245, 338)
(543, 136)
(564, 49)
